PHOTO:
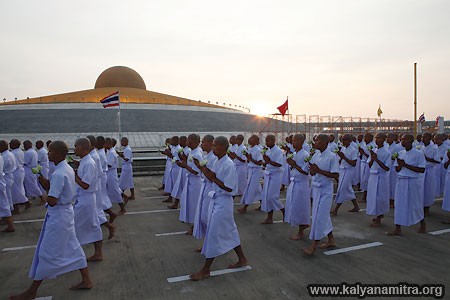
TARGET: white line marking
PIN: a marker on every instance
(170, 233)
(154, 197)
(18, 248)
(29, 221)
(278, 221)
(439, 231)
(331, 252)
(149, 189)
(44, 298)
(362, 209)
(213, 273)
(149, 211)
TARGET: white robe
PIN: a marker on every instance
(409, 191)
(365, 170)
(172, 167)
(440, 170)
(298, 203)
(31, 182)
(9, 166)
(241, 169)
(18, 189)
(112, 181)
(44, 163)
(345, 190)
(357, 168)
(58, 250)
(180, 179)
(393, 148)
(322, 194)
(5, 209)
(378, 191)
(98, 189)
(253, 190)
(446, 202)
(221, 232)
(201, 213)
(106, 201)
(126, 175)
(429, 189)
(272, 181)
(87, 226)
(191, 191)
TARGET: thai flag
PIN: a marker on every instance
(111, 100)
(421, 119)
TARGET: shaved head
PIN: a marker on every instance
(194, 137)
(83, 143)
(92, 141)
(208, 138)
(59, 147)
(3, 145)
(14, 143)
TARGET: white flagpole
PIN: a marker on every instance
(120, 125)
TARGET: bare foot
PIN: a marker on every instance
(297, 237)
(95, 258)
(82, 286)
(27, 295)
(198, 250)
(354, 209)
(166, 194)
(242, 210)
(394, 232)
(328, 245)
(239, 264)
(132, 198)
(190, 231)
(112, 230)
(309, 251)
(173, 206)
(112, 217)
(422, 229)
(160, 188)
(333, 212)
(267, 221)
(121, 212)
(9, 229)
(168, 200)
(199, 275)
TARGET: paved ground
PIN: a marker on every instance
(137, 263)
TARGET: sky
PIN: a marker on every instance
(332, 58)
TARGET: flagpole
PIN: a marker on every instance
(415, 100)
(120, 125)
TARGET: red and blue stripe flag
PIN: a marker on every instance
(111, 100)
(421, 119)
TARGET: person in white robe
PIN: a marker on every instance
(365, 169)
(440, 170)
(433, 160)
(394, 150)
(324, 167)
(286, 147)
(410, 166)
(273, 160)
(18, 189)
(347, 156)
(172, 153)
(103, 221)
(87, 226)
(446, 201)
(58, 250)
(378, 191)
(418, 142)
(106, 201)
(51, 165)
(358, 143)
(5, 209)
(201, 213)
(180, 180)
(9, 166)
(166, 169)
(240, 162)
(30, 161)
(126, 176)
(42, 161)
(191, 191)
(253, 190)
(221, 232)
(298, 204)
(112, 180)
(332, 146)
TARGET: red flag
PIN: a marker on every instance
(437, 121)
(283, 108)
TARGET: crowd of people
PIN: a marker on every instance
(78, 195)
(202, 177)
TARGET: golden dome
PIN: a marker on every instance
(120, 77)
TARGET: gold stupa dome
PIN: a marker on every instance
(120, 76)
